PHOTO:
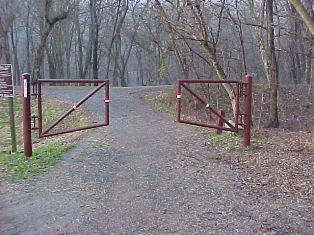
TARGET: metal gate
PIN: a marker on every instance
(241, 119)
(37, 92)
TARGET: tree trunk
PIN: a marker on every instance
(308, 66)
(116, 69)
(16, 67)
(308, 20)
(95, 36)
(272, 68)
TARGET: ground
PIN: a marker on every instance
(145, 174)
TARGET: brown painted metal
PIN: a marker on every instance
(106, 99)
(72, 130)
(73, 80)
(220, 122)
(207, 125)
(206, 81)
(237, 111)
(40, 111)
(26, 102)
(247, 111)
(103, 83)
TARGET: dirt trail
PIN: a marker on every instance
(142, 174)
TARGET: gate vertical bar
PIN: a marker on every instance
(40, 110)
(107, 102)
(26, 102)
(237, 111)
(178, 101)
(247, 111)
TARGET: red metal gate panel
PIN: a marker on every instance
(242, 89)
(26, 93)
(101, 84)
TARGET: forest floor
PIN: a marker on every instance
(280, 161)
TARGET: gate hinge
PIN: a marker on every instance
(242, 89)
(34, 117)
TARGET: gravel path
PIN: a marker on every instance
(142, 174)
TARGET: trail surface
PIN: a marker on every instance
(142, 174)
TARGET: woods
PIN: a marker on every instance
(156, 42)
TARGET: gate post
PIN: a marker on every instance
(247, 111)
(26, 102)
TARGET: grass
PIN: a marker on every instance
(218, 138)
(97, 144)
(16, 166)
(47, 151)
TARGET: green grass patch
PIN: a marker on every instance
(216, 138)
(16, 166)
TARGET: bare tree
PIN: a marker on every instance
(114, 46)
(267, 50)
(50, 18)
(94, 11)
(235, 17)
(173, 38)
(156, 42)
(272, 67)
(198, 30)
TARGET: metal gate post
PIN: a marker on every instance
(247, 111)
(26, 102)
